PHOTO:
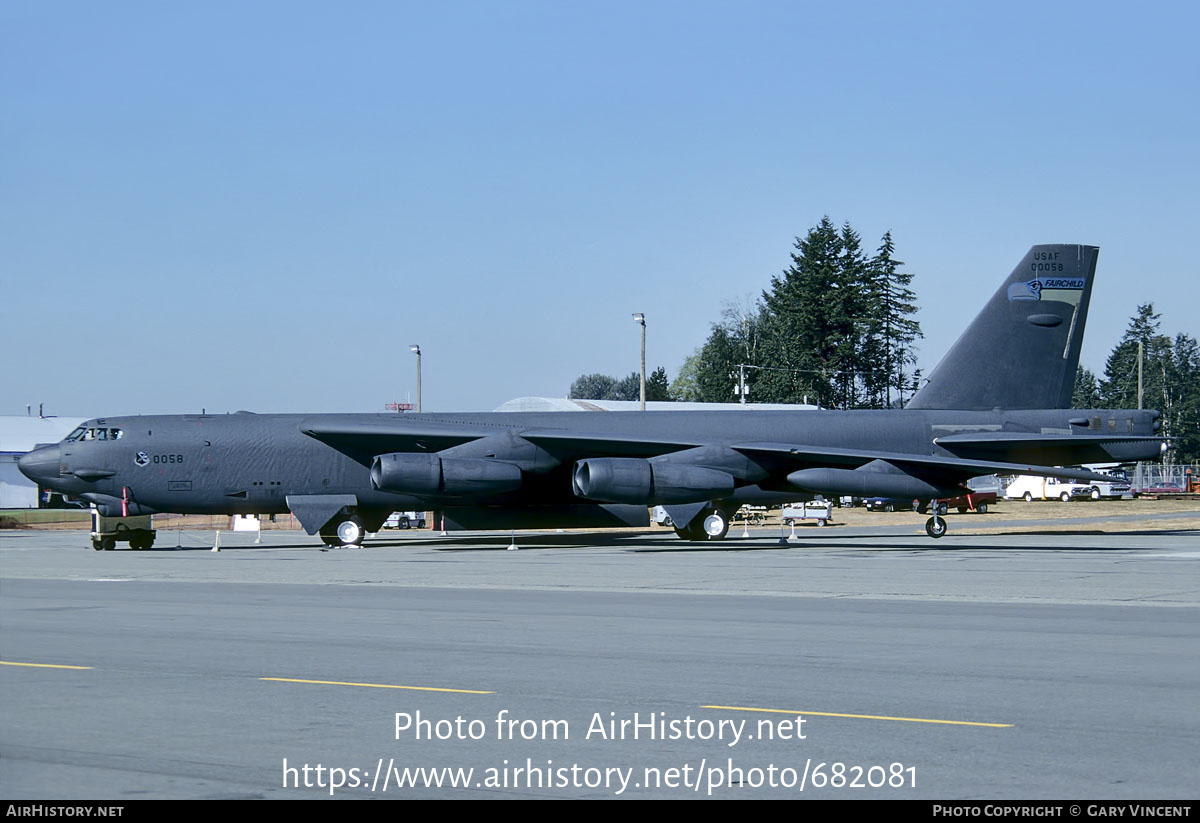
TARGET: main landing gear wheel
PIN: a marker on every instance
(692, 531)
(343, 532)
(707, 525)
(935, 527)
(715, 525)
(350, 532)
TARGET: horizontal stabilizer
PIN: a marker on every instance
(1053, 448)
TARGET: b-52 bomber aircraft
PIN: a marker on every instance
(996, 404)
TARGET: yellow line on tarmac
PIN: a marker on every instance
(865, 716)
(42, 665)
(372, 685)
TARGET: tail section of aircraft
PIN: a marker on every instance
(1022, 350)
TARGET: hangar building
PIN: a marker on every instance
(19, 436)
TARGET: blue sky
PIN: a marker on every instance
(261, 205)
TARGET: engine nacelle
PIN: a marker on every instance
(636, 481)
(868, 484)
(432, 476)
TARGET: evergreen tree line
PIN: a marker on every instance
(836, 329)
(604, 387)
(1170, 382)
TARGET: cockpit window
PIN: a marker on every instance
(94, 433)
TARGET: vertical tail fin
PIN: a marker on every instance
(1022, 350)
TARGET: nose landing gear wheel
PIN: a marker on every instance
(935, 527)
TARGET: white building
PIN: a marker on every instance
(19, 436)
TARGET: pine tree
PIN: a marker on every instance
(850, 319)
(834, 328)
(895, 332)
(1087, 390)
(629, 388)
(799, 334)
(1185, 368)
(716, 361)
(657, 385)
(1170, 381)
(1120, 387)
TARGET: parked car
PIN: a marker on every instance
(1163, 488)
(889, 504)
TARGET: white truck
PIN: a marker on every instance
(405, 520)
(1030, 487)
(1114, 489)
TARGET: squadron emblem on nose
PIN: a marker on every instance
(141, 458)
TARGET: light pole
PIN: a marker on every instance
(641, 321)
(415, 349)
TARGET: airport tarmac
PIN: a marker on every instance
(629, 664)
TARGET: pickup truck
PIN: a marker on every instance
(1029, 487)
(975, 501)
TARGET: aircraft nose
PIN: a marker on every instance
(40, 465)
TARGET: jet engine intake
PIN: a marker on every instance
(430, 475)
(636, 481)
